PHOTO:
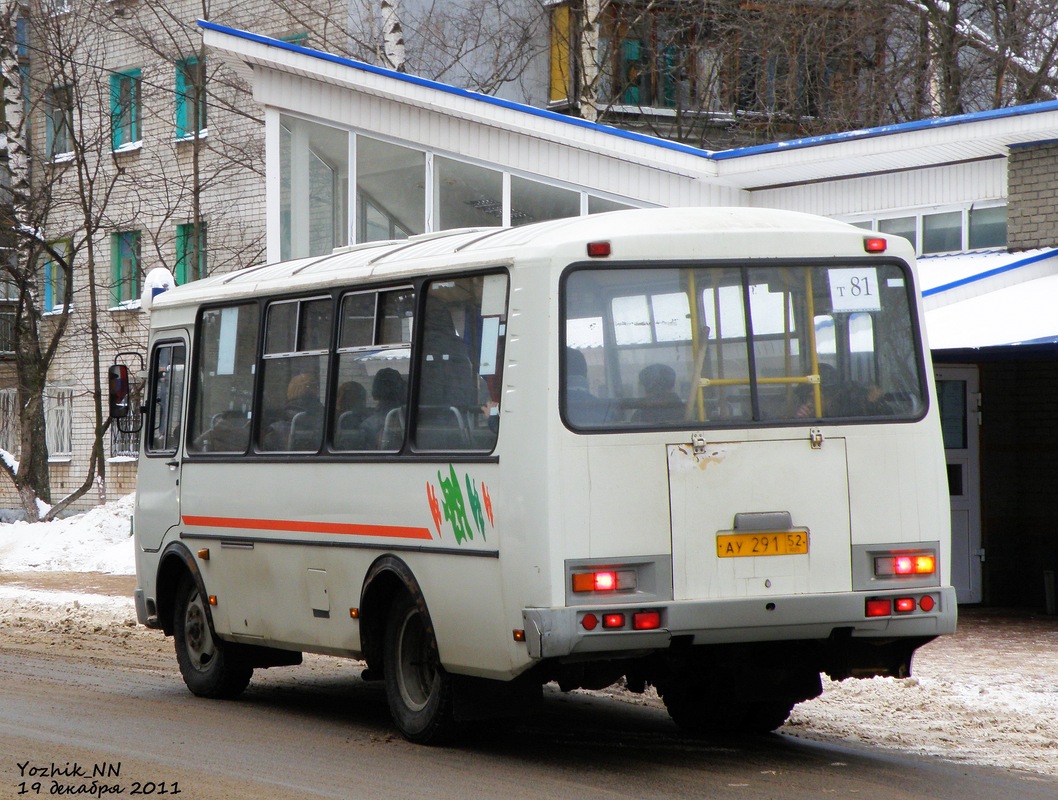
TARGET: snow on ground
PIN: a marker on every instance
(987, 695)
(97, 541)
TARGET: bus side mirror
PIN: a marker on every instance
(118, 376)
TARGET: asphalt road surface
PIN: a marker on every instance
(103, 713)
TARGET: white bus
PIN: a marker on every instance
(693, 449)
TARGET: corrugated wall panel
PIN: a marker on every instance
(958, 183)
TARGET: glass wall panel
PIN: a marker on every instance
(900, 226)
(314, 188)
(536, 202)
(466, 196)
(600, 205)
(988, 227)
(390, 190)
(942, 233)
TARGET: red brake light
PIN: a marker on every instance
(613, 620)
(914, 564)
(605, 581)
(874, 244)
(905, 605)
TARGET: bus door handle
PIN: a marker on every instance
(172, 464)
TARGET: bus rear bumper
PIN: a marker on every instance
(561, 632)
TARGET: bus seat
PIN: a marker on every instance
(306, 429)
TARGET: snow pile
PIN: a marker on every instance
(97, 541)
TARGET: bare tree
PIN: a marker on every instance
(60, 190)
(723, 72)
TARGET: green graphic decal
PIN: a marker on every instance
(454, 506)
(451, 504)
(475, 507)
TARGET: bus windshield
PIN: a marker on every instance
(739, 345)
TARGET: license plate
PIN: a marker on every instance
(761, 543)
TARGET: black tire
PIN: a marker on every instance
(418, 689)
(208, 665)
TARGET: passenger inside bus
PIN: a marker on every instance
(389, 391)
(582, 407)
(659, 403)
(299, 424)
(349, 413)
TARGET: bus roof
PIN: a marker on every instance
(436, 252)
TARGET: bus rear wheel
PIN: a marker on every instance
(208, 666)
(418, 689)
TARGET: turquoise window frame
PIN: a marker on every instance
(186, 68)
(54, 278)
(125, 107)
(125, 266)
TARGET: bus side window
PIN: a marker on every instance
(225, 363)
(464, 331)
(167, 398)
(374, 345)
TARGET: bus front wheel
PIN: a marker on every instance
(208, 667)
(418, 689)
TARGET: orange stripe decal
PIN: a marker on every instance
(301, 526)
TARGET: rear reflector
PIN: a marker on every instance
(646, 620)
(879, 608)
(589, 622)
(927, 603)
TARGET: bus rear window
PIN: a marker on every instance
(736, 345)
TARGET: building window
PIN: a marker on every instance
(7, 328)
(125, 267)
(390, 199)
(942, 233)
(190, 97)
(190, 252)
(58, 422)
(466, 195)
(125, 109)
(53, 273)
(901, 226)
(314, 188)
(560, 78)
(532, 201)
(9, 421)
(58, 103)
(988, 227)
(648, 57)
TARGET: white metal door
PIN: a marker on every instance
(158, 475)
(959, 393)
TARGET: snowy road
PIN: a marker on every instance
(81, 686)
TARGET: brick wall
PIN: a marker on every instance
(1032, 185)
